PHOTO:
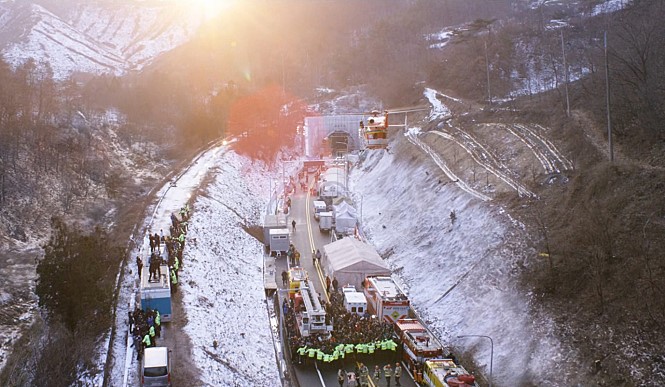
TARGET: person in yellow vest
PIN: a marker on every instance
(151, 332)
(174, 281)
(158, 324)
(387, 373)
(146, 341)
(398, 373)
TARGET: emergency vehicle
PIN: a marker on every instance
(375, 131)
(418, 344)
(385, 299)
(446, 373)
(296, 276)
(310, 315)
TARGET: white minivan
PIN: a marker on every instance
(319, 207)
(156, 370)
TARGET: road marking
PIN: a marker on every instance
(369, 377)
(311, 241)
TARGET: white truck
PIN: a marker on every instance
(325, 221)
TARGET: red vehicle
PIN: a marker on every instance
(385, 299)
(419, 345)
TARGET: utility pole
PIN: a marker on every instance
(487, 64)
(607, 101)
(565, 69)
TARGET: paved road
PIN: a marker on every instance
(307, 238)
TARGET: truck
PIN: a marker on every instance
(385, 299)
(418, 344)
(271, 222)
(310, 315)
(325, 221)
(156, 293)
(446, 373)
(280, 241)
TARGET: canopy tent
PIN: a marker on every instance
(350, 261)
(343, 199)
(345, 218)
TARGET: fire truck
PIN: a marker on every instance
(385, 299)
(310, 315)
(418, 345)
(447, 373)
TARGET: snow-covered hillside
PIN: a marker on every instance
(96, 38)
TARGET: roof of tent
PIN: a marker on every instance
(350, 255)
(344, 211)
(343, 199)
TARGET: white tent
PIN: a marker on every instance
(350, 261)
(345, 218)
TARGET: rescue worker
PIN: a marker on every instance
(152, 243)
(151, 269)
(377, 372)
(158, 324)
(131, 320)
(139, 265)
(341, 377)
(398, 373)
(364, 375)
(146, 340)
(174, 281)
(138, 345)
(157, 243)
(387, 373)
(152, 334)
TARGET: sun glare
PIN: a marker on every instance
(210, 7)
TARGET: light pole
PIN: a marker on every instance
(491, 351)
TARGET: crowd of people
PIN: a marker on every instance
(145, 325)
(352, 334)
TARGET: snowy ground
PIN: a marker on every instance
(221, 280)
(223, 287)
(461, 277)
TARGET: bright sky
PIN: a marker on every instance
(208, 6)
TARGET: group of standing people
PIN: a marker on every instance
(293, 255)
(352, 334)
(173, 244)
(360, 376)
(144, 327)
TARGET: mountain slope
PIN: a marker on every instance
(95, 38)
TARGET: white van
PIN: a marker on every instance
(319, 207)
(354, 301)
(156, 370)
